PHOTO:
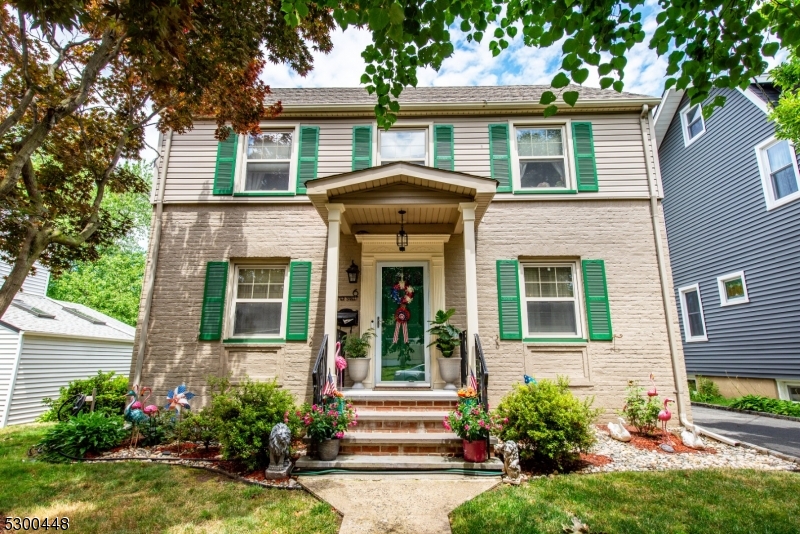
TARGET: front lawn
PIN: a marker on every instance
(127, 497)
(713, 501)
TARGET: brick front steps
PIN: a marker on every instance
(359, 462)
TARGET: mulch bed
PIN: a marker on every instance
(190, 451)
(652, 442)
(597, 460)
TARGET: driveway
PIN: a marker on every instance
(776, 434)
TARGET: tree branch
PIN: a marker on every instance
(18, 112)
(23, 39)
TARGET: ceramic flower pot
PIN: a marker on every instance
(358, 369)
(475, 451)
(450, 371)
(328, 450)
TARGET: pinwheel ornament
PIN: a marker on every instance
(179, 398)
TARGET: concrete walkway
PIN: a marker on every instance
(397, 504)
(776, 434)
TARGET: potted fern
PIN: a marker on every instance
(447, 339)
(355, 352)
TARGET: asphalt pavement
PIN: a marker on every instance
(776, 434)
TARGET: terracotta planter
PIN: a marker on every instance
(358, 369)
(475, 451)
(328, 450)
(450, 371)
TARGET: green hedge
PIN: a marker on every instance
(110, 399)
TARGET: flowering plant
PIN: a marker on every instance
(467, 393)
(328, 420)
(470, 421)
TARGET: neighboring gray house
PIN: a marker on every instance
(46, 343)
(731, 190)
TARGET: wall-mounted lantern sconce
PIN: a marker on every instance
(352, 272)
(402, 236)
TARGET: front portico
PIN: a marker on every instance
(361, 209)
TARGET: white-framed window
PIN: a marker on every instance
(268, 161)
(692, 123)
(732, 289)
(407, 144)
(694, 324)
(542, 156)
(258, 307)
(789, 390)
(551, 305)
(777, 162)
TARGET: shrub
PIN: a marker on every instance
(707, 391)
(550, 425)
(757, 403)
(87, 432)
(245, 415)
(200, 427)
(641, 410)
(110, 399)
(159, 428)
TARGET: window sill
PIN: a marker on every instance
(558, 341)
(264, 194)
(734, 303)
(546, 191)
(254, 341)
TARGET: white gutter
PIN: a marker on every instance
(151, 271)
(666, 295)
(13, 382)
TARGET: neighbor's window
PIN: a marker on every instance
(541, 157)
(732, 289)
(269, 156)
(794, 392)
(693, 124)
(694, 325)
(551, 302)
(406, 145)
(258, 303)
(779, 172)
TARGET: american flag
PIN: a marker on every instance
(330, 386)
(472, 382)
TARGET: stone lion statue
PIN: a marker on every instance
(512, 474)
(279, 440)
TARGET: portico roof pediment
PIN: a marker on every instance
(415, 188)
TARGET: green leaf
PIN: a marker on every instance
(580, 75)
(606, 82)
(378, 19)
(770, 49)
(560, 81)
(570, 97)
(550, 110)
(548, 97)
(618, 86)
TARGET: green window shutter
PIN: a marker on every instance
(307, 160)
(597, 308)
(508, 299)
(443, 157)
(362, 147)
(226, 164)
(585, 165)
(299, 298)
(213, 300)
(499, 149)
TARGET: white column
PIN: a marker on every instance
(332, 280)
(467, 210)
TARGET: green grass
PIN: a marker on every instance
(128, 497)
(713, 501)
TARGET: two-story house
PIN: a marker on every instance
(545, 234)
(731, 191)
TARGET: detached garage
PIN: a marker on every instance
(46, 343)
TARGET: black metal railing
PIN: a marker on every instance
(464, 357)
(482, 373)
(318, 376)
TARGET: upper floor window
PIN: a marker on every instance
(732, 289)
(779, 173)
(551, 301)
(694, 324)
(409, 145)
(541, 154)
(258, 305)
(269, 157)
(693, 124)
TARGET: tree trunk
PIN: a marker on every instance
(30, 250)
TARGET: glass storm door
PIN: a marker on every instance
(402, 318)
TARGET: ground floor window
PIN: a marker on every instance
(258, 305)
(551, 300)
(694, 325)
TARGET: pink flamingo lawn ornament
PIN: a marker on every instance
(664, 416)
(151, 409)
(341, 364)
(652, 392)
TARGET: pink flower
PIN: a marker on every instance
(313, 406)
(339, 435)
(505, 419)
(286, 417)
(446, 424)
(466, 427)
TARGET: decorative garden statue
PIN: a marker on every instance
(512, 474)
(279, 464)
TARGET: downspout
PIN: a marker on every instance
(666, 295)
(151, 271)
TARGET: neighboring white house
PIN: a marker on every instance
(46, 343)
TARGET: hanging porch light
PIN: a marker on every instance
(402, 236)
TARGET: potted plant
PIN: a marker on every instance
(326, 424)
(447, 339)
(473, 424)
(355, 352)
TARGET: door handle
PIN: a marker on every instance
(378, 322)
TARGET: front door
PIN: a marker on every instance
(402, 304)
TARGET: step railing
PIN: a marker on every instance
(318, 376)
(482, 378)
(464, 357)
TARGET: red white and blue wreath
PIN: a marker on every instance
(402, 294)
